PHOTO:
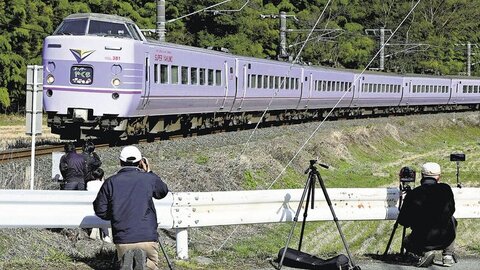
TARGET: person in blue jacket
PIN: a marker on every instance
(126, 200)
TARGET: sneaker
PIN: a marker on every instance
(448, 260)
(107, 239)
(427, 259)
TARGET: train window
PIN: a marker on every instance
(297, 83)
(414, 89)
(218, 77)
(342, 86)
(287, 83)
(210, 76)
(277, 82)
(349, 87)
(253, 82)
(270, 83)
(72, 27)
(423, 88)
(108, 29)
(265, 81)
(201, 76)
(259, 81)
(193, 75)
(163, 74)
(184, 75)
(464, 89)
(470, 89)
(134, 31)
(155, 73)
(475, 89)
(174, 75)
(364, 87)
(249, 80)
(231, 70)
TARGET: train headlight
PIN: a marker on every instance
(116, 82)
(50, 79)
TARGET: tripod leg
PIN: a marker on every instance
(164, 253)
(391, 238)
(329, 202)
(295, 219)
(310, 194)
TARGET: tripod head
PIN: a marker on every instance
(457, 157)
(312, 166)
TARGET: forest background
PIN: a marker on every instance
(439, 30)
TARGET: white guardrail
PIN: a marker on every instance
(182, 210)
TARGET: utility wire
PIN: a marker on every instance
(341, 98)
(270, 103)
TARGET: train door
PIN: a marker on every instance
(406, 92)
(226, 85)
(453, 91)
(146, 89)
(306, 94)
(241, 86)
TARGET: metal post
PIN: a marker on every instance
(182, 244)
(161, 20)
(283, 36)
(469, 59)
(34, 128)
(382, 48)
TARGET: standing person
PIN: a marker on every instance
(428, 211)
(92, 159)
(95, 185)
(126, 200)
(73, 168)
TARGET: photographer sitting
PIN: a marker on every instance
(428, 211)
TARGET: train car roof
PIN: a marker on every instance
(99, 16)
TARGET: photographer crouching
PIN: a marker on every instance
(428, 211)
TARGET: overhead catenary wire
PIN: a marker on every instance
(270, 103)
(341, 98)
(328, 114)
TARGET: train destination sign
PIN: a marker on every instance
(81, 75)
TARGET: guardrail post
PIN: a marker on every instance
(182, 243)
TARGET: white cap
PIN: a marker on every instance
(130, 154)
(431, 169)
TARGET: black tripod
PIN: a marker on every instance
(309, 193)
(403, 191)
(170, 266)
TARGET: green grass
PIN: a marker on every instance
(16, 120)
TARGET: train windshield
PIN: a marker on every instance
(111, 29)
(98, 28)
(72, 27)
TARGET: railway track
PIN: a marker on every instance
(17, 154)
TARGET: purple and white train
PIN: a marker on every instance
(102, 78)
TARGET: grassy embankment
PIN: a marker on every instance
(362, 156)
(370, 157)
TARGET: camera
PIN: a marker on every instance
(407, 175)
(457, 157)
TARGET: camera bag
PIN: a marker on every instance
(298, 259)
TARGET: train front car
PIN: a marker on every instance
(91, 81)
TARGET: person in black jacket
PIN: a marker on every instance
(73, 169)
(92, 159)
(126, 200)
(428, 211)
